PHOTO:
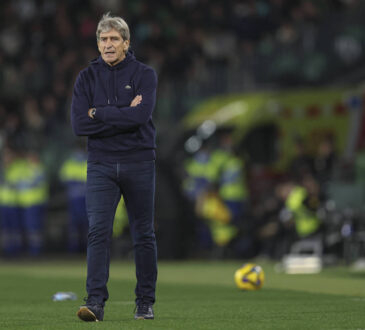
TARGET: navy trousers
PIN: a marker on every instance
(106, 182)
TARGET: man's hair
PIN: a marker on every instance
(109, 22)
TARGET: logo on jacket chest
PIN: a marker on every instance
(127, 87)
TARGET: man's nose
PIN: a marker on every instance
(108, 44)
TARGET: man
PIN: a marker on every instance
(112, 104)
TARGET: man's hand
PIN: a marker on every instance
(137, 100)
(90, 113)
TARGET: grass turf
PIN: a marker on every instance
(191, 295)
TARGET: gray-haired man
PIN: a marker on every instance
(112, 104)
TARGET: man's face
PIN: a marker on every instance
(112, 47)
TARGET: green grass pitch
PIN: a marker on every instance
(190, 295)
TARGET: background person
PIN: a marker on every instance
(73, 174)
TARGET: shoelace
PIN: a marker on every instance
(142, 308)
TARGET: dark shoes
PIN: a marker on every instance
(91, 313)
(95, 313)
(144, 312)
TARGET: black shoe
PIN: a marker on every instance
(91, 312)
(144, 311)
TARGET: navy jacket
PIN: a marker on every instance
(118, 132)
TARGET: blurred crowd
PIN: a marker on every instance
(199, 48)
(235, 218)
(294, 208)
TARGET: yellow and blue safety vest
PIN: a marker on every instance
(24, 184)
(232, 181)
(306, 221)
(73, 173)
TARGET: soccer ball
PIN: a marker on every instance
(249, 277)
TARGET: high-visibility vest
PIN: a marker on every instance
(74, 169)
(211, 207)
(73, 174)
(306, 221)
(222, 234)
(203, 169)
(218, 217)
(8, 192)
(232, 181)
(218, 160)
(31, 184)
(199, 173)
(8, 195)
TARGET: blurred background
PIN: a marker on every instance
(260, 124)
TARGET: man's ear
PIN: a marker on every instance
(126, 45)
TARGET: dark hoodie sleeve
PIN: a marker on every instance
(132, 117)
(82, 124)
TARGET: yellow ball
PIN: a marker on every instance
(249, 277)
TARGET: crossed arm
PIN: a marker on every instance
(111, 120)
(83, 125)
(137, 100)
